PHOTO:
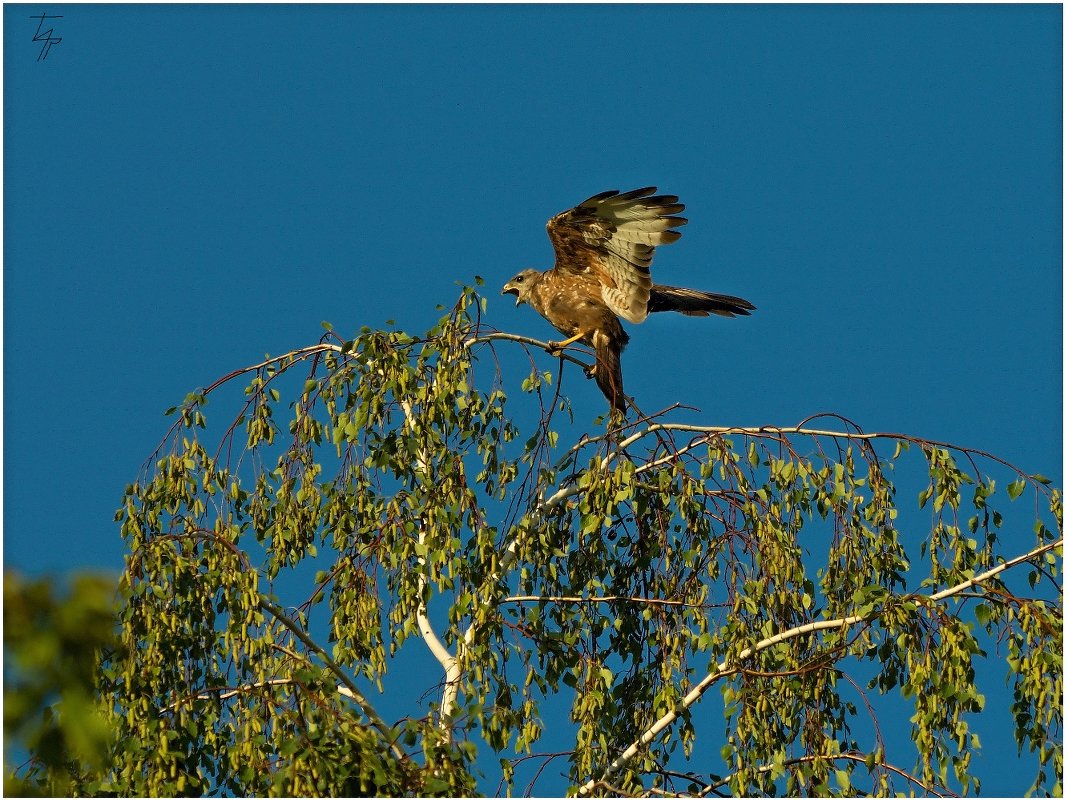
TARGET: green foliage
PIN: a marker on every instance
(52, 650)
(379, 490)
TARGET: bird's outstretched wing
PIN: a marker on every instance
(611, 237)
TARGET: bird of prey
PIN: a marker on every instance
(604, 247)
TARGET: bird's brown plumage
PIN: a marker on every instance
(604, 248)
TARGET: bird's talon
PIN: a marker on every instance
(590, 371)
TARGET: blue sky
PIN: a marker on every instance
(187, 188)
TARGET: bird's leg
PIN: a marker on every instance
(555, 347)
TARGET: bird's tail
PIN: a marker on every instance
(609, 373)
(696, 303)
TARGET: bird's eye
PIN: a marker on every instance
(518, 279)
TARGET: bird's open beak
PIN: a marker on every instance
(511, 290)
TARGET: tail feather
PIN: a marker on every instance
(695, 303)
(609, 373)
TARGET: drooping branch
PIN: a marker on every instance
(782, 431)
(296, 355)
(598, 599)
(350, 689)
(223, 693)
(830, 757)
(727, 666)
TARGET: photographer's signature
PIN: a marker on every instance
(45, 36)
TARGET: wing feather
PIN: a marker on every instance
(612, 236)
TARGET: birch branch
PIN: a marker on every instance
(350, 689)
(448, 662)
(598, 599)
(812, 758)
(224, 693)
(726, 667)
(562, 354)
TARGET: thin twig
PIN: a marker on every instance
(601, 599)
(537, 343)
(813, 757)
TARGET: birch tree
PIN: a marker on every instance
(613, 605)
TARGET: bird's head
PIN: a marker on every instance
(521, 286)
